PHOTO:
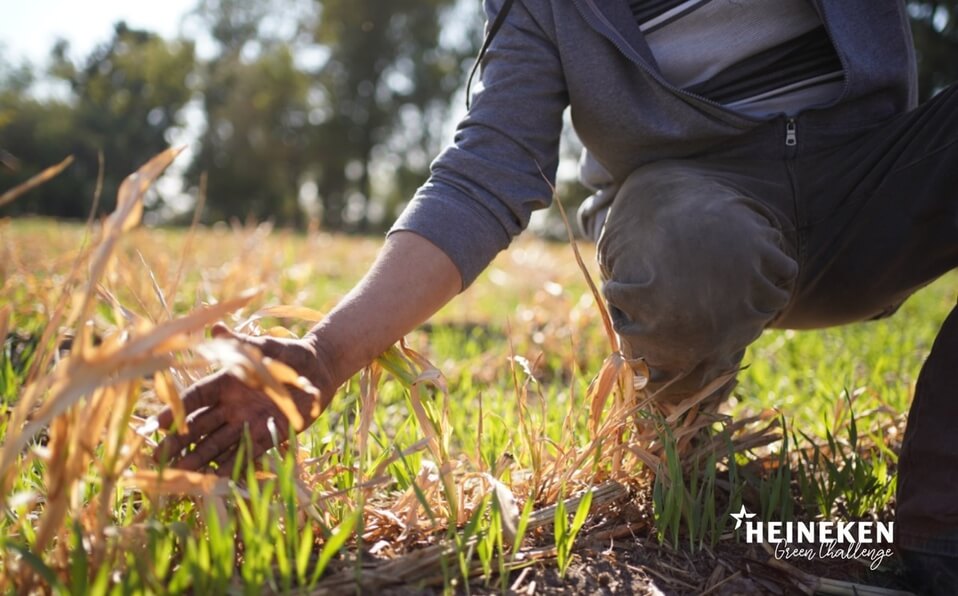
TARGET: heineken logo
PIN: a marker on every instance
(868, 540)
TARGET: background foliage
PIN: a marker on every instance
(302, 109)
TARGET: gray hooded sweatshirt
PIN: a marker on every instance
(590, 55)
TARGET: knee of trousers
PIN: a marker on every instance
(693, 269)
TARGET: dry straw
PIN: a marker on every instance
(77, 412)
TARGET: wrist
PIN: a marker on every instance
(324, 374)
(313, 362)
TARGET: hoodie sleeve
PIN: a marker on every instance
(502, 163)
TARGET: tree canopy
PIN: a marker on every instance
(294, 108)
(122, 100)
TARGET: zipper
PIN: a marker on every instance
(613, 35)
(791, 137)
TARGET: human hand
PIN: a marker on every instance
(220, 407)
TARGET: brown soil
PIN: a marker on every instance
(635, 563)
(642, 566)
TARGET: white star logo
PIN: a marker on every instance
(742, 514)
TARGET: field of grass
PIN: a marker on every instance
(423, 481)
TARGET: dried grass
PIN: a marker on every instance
(77, 413)
(47, 174)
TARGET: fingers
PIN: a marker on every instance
(268, 346)
(261, 440)
(220, 446)
(207, 449)
(226, 461)
(202, 394)
(198, 426)
(205, 393)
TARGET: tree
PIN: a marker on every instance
(255, 149)
(123, 99)
(351, 95)
(372, 83)
(33, 135)
(127, 93)
(935, 28)
(388, 79)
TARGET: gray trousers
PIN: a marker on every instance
(700, 255)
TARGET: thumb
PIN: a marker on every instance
(267, 346)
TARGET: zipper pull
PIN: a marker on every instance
(791, 139)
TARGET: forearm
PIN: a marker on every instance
(410, 280)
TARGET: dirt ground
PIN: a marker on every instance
(642, 566)
(620, 555)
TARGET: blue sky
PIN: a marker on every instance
(28, 29)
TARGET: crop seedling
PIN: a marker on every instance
(394, 485)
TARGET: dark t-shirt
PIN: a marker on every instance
(759, 57)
